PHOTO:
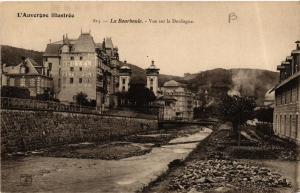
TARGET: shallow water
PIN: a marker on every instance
(89, 175)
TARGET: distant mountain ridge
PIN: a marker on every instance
(251, 82)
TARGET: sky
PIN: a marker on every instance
(260, 36)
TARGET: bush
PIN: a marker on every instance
(264, 130)
(15, 92)
(264, 114)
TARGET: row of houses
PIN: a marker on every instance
(74, 65)
(287, 103)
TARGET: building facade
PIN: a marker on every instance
(183, 107)
(124, 78)
(152, 78)
(81, 65)
(287, 103)
(28, 74)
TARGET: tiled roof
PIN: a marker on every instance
(30, 64)
(52, 49)
(85, 43)
(34, 63)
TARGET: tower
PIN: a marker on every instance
(124, 78)
(152, 78)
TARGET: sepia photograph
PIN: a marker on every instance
(150, 96)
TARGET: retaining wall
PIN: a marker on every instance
(30, 130)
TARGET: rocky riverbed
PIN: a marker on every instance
(218, 165)
(212, 174)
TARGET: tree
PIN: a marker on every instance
(264, 114)
(82, 99)
(46, 96)
(139, 95)
(237, 110)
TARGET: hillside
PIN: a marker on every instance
(251, 82)
(12, 56)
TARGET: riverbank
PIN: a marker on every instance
(210, 168)
(60, 174)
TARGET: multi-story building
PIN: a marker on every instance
(287, 102)
(124, 84)
(183, 107)
(124, 78)
(152, 78)
(28, 74)
(81, 65)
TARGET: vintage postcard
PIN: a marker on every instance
(150, 97)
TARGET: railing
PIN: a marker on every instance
(30, 104)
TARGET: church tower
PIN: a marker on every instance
(152, 78)
(124, 78)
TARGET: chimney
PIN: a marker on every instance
(125, 62)
(152, 62)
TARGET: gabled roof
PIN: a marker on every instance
(285, 81)
(29, 63)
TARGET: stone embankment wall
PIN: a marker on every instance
(30, 130)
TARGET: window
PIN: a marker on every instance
(280, 122)
(276, 119)
(46, 59)
(59, 82)
(151, 81)
(32, 82)
(71, 69)
(22, 82)
(285, 123)
(123, 80)
(297, 90)
(50, 66)
(71, 80)
(11, 82)
(80, 80)
(151, 88)
(80, 57)
(80, 68)
(72, 58)
(296, 127)
(290, 126)
(291, 95)
(123, 88)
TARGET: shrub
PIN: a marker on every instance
(15, 92)
(264, 130)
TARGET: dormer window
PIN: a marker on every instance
(22, 69)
